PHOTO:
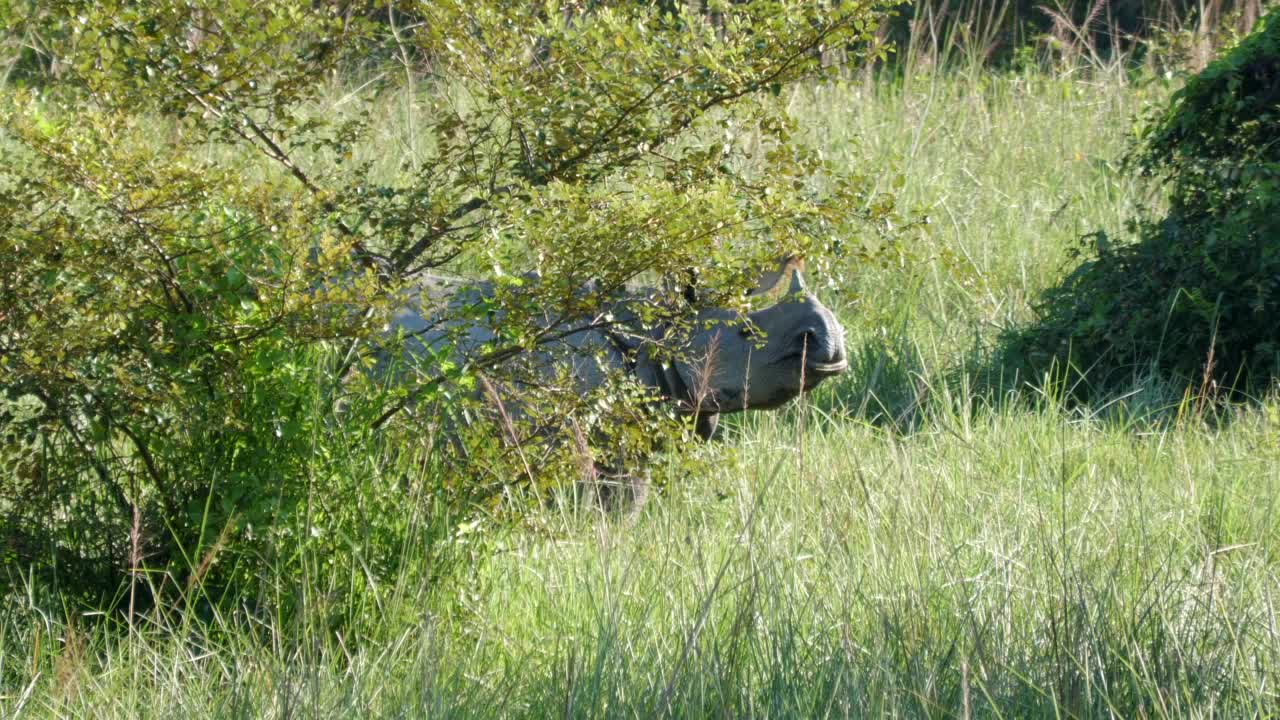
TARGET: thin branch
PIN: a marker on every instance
(262, 139)
(104, 475)
(406, 258)
(489, 360)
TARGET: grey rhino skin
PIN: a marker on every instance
(726, 365)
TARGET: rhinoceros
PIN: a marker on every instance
(724, 361)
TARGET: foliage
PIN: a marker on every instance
(1196, 294)
(196, 248)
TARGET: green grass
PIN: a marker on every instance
(900, 544)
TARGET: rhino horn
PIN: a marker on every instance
(788, 269)
(797, 282)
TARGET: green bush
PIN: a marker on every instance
(1195, 295)
(198, 243)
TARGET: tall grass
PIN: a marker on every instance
(898, 544)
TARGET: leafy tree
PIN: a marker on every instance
(193, 254)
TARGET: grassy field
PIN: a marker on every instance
(898, 544)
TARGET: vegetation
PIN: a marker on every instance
(902, 542)
(1195, 295)
(194, 258)
(891, 544)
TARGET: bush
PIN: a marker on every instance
(1195, 294)
(193, 254)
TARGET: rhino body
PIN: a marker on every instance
(729, 362)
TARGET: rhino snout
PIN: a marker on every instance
(822, 348)
(808, 342)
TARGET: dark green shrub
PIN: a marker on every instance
(1195, 294)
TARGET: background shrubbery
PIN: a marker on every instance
(1167, 35)
(1194, 294)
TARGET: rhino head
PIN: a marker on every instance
(733, 362)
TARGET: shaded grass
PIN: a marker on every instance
(901, 544)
